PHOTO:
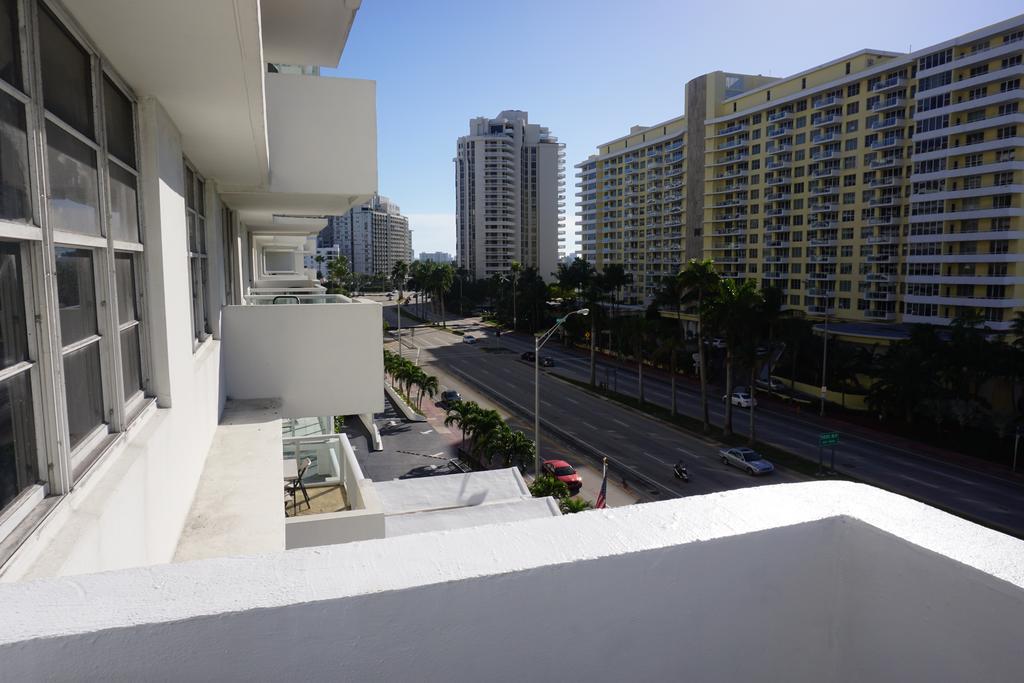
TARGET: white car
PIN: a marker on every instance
(742, 399)
(747, 459)
(469, 339)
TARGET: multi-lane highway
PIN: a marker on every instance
(648, 447)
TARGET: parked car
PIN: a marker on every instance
(468, 339)
(747, 459)
(450, 397)
(717, 343)
(565, 473)
(391, 296)
(741, 399)
(545, 361)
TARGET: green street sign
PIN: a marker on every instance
(828, 438)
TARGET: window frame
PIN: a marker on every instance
(59, 466)
(198, 258)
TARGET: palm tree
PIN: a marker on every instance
(637, 333)
(548, 485)
(399, 272)
(569, 506)
(440, 279)
(461, 413)
(700, 280)
(428, 385)
(517, 450)
(319, 270)
(671, 294)
(732, 309)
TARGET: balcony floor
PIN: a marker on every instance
(322, 499)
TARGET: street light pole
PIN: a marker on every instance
(539, 342)
(400, 327)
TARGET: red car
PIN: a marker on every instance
(565, 473)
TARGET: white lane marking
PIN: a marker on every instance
(620, 422)
(654, 457)
(427, 432)
(588, 425)
(545, 403)
(686, 452)
(571, 400)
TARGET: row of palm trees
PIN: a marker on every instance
(489, 436)
(405, 374)
(425, 277)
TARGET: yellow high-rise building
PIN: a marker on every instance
(878, 187)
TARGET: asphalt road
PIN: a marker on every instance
(641, 449)
(648, 447)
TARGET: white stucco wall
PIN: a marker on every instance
(323, 136)
(319, 359)
(797, 582)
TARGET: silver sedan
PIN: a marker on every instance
(747, 459)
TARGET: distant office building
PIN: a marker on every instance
(436, 256)
(373, 236)
(327, 254)
(509, 183)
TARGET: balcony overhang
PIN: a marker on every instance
(306, 32)
(323, 151)
(204, 62)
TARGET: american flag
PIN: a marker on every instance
(604, 487)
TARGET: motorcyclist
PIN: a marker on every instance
(679, 468)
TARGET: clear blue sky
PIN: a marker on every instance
(589, 69)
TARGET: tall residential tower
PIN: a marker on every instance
(879, 187)
(509, 180)
(373, 236)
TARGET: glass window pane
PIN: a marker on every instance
(76, 294)
(74, 183)
(200, 197)
(124, 268)
(198, 268)
(201, 234)
(67, 75)
(13, 340)
(19, 467)
(10, 45)
(190, 188)
(14, 202)
(124, 205)
(119, 123)
(131, 361)
(193, 242)
(83, 385)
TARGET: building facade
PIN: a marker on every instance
(509, 184)
(138, 234)
(879, 187)
(373, 236)
(436, 256)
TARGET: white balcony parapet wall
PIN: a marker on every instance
(363, 520)
(319, 359)
(823, 581)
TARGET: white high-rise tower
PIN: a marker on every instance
(509, 180)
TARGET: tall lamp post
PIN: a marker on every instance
(824, 366)
(539, 342)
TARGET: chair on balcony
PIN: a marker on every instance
(293, 486)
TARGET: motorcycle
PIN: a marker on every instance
(680, 472)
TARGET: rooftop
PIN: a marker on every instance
(822, 581)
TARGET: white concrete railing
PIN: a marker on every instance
(365, 517)
(319, 360)
(822, 581)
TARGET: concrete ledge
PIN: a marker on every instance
(823, 581)
(407, 412)
(371, 429)
(238, 507)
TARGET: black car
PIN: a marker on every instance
(545, 361)
(450, 397)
